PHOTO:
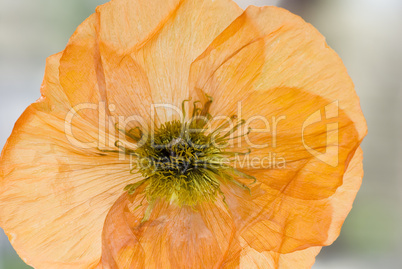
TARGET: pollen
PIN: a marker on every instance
(183, 162)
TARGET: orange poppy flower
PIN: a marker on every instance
(184, 134)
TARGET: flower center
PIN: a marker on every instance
(180, 165)
(185, 162)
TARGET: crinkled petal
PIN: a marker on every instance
(305, 154)
(290, 179)
(173, 237)
(269, 48)
(126, 25)
(129, 59)
(303, 259)
(167, 56)
(81, 73)
(294, 92)
(55, 194)
(342, 201)
(297, 227)
(262, 246)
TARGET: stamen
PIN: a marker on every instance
(235, 153)
(135, 136)
(183, 107)
(148, 212)
(133, 187)
(207, 105)
(195, 109)
(248, 132)
(182, 164)
(234, 129)
(223, 125)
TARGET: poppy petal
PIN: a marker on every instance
(127, 25)
(276, 64)
(304, 182)
(306, 154)
(166, 57)
(81, 75)
(173, 237)
(303, 259)
(263, 248)
(129, 66)
(269, 48)
(52, 189)
(284, 230)
(342, 200)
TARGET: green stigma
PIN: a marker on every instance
(183, 162)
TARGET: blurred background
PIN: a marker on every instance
(367, 34)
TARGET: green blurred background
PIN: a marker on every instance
(367, 34)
